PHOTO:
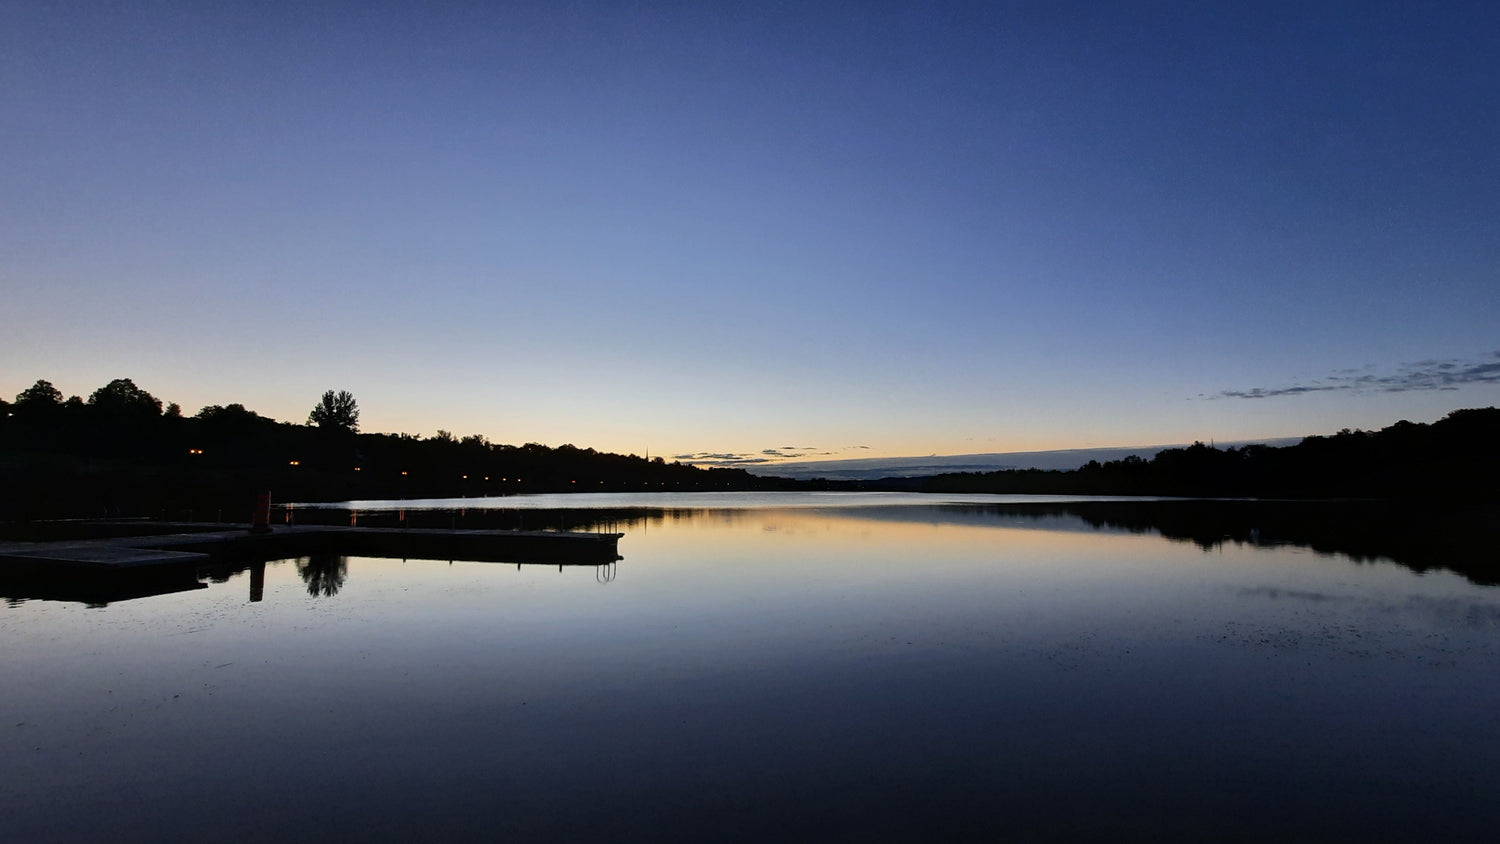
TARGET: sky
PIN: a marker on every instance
(761, 229)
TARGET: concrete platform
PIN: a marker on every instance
(93, 555)
(236, 544)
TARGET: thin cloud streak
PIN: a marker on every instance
(1409, 377)
(732, 460)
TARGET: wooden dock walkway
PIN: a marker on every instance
(198, 544)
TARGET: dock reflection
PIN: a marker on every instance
(324, 575)
(100, 589)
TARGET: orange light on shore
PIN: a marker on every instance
(294, 463)
(195, 451)
(403, 472)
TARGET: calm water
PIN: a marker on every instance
(897, 670)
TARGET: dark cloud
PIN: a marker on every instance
(724, 459)
(1263, 393)
(1276, 593)
(1408, 377)
(766, 455)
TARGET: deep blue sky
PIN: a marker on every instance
(732, 227)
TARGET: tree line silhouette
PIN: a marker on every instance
(1457, 456)
(121, 452)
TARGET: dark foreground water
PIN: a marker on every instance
(894, 672)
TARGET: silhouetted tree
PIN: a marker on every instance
(41, 395)
(121, 398)
(228, 413)
(336, 412)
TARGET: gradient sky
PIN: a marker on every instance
(731, 227)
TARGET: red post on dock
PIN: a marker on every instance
(261, 523)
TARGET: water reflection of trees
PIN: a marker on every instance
(1457, 537)
(324, 574)
(1461, 537)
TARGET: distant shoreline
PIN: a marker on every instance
(1063, 459)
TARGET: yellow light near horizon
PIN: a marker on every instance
(294, 463)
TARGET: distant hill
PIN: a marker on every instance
(1455, 458)
(871, 468)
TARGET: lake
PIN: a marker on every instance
(781, 666)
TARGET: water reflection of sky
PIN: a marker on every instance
(749, 674)
(704, 500)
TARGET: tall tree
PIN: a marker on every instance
(39, 395)
(121, 397)
(335, 412)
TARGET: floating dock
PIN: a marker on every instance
(199, 544)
